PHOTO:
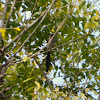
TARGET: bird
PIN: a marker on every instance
(50, 45)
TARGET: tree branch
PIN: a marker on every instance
(61, 45)
(35, 28)
(31, 56)
(11, 59)
(62, 23)
(4, 14)
(11, 11)
(43, 72)
(27, 28)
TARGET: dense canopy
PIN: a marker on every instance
(25, 26)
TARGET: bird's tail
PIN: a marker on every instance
(48, 61)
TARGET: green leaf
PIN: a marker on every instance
(90, 24)
(95, 23)
(28, 79)
(88, 5)
(31, 88)
(87, 25)
(95, 17)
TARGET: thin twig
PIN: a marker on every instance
(4, 14)
(73, 50)
(11, 11)
(24, 30)
(55, 47)
(9, 62)
(11, 59)
(43, 72)
(60, 45)
(34, 7)
(13, 47)
(62, 23)
(25, 27)
(35, 28)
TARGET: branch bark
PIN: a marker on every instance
(35, 28)
(11, 59)
(61, 45)
(43, 72)
(62, 23)
(27, 28)
(11, 11)
(4, 14)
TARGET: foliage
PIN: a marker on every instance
(25, 27)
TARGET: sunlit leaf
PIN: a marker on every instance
(96, 23)
(37, 86)
(3, 32)
(57, 89)
(87, 25)
(31, 88)
(98, 77)
(44, 79)
(28, 79)
(30, 53)
(25, 58)
(18, 29)
(92, 25)
(35, 63)
(82, 95)
(87, 90)
(97, 12)
(95, 17)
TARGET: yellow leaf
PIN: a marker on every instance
(57, 89)
(82, 95)
(58, 3)
(95, 17)
(52, 30)
(37, 86)
(96, 23)
(89, 77)
(35, 63)
(98, 77)
(25, 58)
(90, 13)
(31, 88)
(18, 29)
(92, 25)
(2, 32)
(87, 90)
(76, 6)
(76, 98)
(30, 54)
(97, 12)
(87, 25)
(27, 79)
(79, 1)
(44, 79)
